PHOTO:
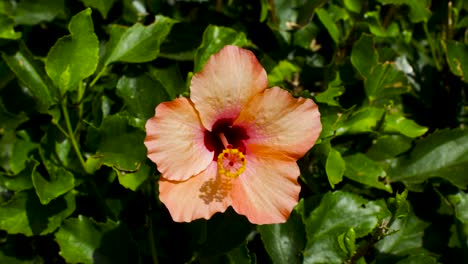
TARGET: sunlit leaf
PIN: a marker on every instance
(335, 89)
(133, 180)
(364, 120)
(7, 30)
(214, 39)
(103, 6)
(284, 71)
(137, 43)
(329, 24)
(335, 167)
(74, 57)
(396, 123)
(389, 146)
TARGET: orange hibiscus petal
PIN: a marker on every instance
(228, 80)
(278, 123)
(267, 191)
(175, 140)
(199, 197)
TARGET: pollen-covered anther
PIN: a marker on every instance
(231, 162)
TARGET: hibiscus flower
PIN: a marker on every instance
(233, 143)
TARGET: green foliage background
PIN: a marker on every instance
(385, 183)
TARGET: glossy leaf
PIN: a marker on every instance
(74, 57)
(21, 181)
(441, 154)
(460, 203)
(389, 146)
(133, 180)
(364, 56)
(170, 78)
(32, 12)
(214, 39)
(397, 123)
(138, 43)
(364, 170)
(407, 238)
(457, 58)
(385, 80)
(418, 9)
(32, 75)
(337, 212)
(141, 95)
(82, 240)
(284, 71)
(364, 120)
(129, 154)
(24, 214)
(329, 24)
(335, 167)
(20, 154)
(60, 182)
(7, 30)
(103, 6)
(334, 90)
(284, 242)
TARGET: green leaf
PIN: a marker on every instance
(20, 154)
(24, 214)
(130, 152)
(133, 180)
(353, 5)
(7, 30)
(285, 70)
(335, 89)
(419, 10)
(364, 56)
(347, 242)
(141, 95)
(138, 43)
(457, 59)
(460, 203)
(335, 167)
(399, 206)
(329, 24)
(103, 6)
(418, 259)
(406, 236)
(442, 154)
(284, 242)
(60, 182)
(385, 80)
(214, 39)
(305, 37)
(336, 214)
(32, 75)
(21, 181)
(83, 240)
(388, 146)
(32, 12)
(366, 171)
(170, 78)
(239, 255)
(74, 57)
(396, 123)
(364, 120)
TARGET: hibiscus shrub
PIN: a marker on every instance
(268, 131)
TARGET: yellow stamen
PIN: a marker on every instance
(231, 162)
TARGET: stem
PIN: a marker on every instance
(71, 135)
(431, 44)
(93, 82)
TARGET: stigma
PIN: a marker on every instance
(231, 162)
